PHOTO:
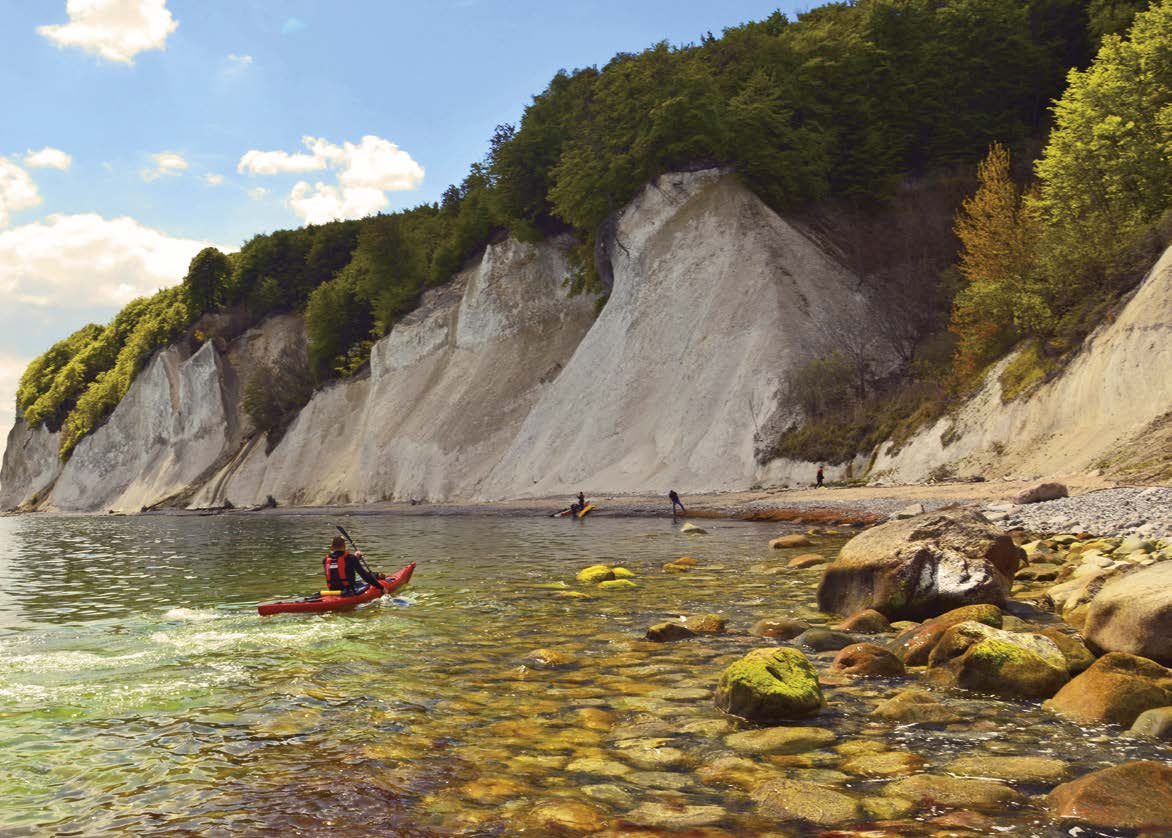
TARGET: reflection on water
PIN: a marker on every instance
(140, 693)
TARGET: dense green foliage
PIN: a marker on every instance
(1046, 265)
(840, 105)
(76, 384)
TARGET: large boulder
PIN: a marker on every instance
(1133, 614)
(922, 567)
(1041, 492)
(1135, 795)
(1115, 690)
(769, 686)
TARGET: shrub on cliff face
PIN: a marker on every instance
(274, 395)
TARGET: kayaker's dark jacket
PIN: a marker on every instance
(340, 567)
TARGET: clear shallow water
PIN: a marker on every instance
(140, 693)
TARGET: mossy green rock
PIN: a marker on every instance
(622, 573)
(770, 685)
(594, 574)
(611, 584)
(998, 667)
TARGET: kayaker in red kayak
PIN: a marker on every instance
(341, 566)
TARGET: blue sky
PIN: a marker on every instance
(128, 125)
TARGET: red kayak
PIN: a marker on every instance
(318, 603)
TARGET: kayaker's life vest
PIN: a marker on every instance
(338, 570)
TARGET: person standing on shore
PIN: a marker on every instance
(675, 501)
(819, 483)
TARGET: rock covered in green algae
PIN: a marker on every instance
(915, 644)
(1135, 795)
(612, 584)
(770, 685)
(594, 574)
(1115, 689)
(961, 636)
(999, 667)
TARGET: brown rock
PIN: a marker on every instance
(806, 560)
(1135, 795)
(669, 632)
(1115, 689)
(780, 740)
(868, 621)
(885, 764)
(779, 629)
(937, 789)
(1041, 492)
(997, 665)
(787, 541)
(915, 707)
(1133, 614)
(922, 567)
(867, 660)
(564, 816)
(686, 561)
(786, 800)
(1156, 723)
(1013, 769)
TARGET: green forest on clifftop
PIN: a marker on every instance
(836, 108)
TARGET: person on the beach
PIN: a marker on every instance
(675, 501)
(819, 483)
(341, 566)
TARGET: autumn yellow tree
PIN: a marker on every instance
(1003, 298)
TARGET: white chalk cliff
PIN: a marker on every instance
(501, 385)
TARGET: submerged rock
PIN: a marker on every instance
(770, 685)
(1013, 769)
(915, 707)
(885, 764)
(674, 815)
(1115, 689)
(1135, 795)
(1133, 614)
(868, 621)
(564, 816)
(785, 800)
(786, 541)
(668, 632)
(780, 740)
(921, 567)
(779, 629)
(867, 660)
(942, 790)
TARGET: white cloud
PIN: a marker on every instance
(116, 30)
(49, 158)
(366, 172)
(17, 190)
(213, 179)
(79, 261)
(166, 163)
(258, 193)
(322, 203)
(11, 369)
(237, 63)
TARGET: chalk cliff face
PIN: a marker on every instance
(500, 385)
(1118, 387)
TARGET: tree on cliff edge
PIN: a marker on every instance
(203, 287)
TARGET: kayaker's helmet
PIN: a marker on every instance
(338, 543)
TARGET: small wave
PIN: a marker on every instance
(193, 615)
(67, 661)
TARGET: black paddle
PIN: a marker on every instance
(362, 562)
